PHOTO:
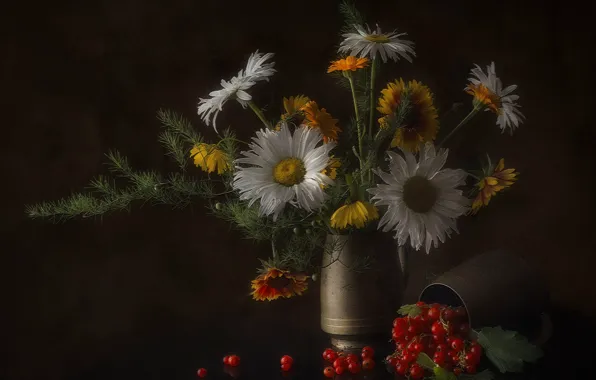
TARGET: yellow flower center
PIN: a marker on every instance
(419, 194)
(289, 171)
(378, 38)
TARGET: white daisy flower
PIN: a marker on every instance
(488, 90)
(369, 43)
(236, 88)
(422, 199)
(284, 168)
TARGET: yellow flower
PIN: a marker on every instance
(421, 123)
(331, 169)
(499, 179)
(355, 214)
(295, 104)
(276, 283)
(319, 118)
(348, 64)
(483, 95)
(210, 158)
(294, 107)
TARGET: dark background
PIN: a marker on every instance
(157, 293)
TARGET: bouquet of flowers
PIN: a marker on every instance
(306, 174)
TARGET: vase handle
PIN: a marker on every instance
(402, 254)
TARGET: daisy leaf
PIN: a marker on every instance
(410, 310)
(507, 350)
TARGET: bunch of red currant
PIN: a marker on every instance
(439, 331)
(348, 362)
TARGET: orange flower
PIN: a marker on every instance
(319, 118)
(420, 124)
(483, 95)
(276, 283)
(499, 179)
(348, 64)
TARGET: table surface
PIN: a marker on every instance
(179, 357)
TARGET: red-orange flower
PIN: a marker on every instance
(276, 283)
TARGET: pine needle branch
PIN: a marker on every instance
(179, 125)
(175, 148)
(351, 16)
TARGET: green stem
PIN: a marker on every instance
(461, 124)
(259, 113)
(358, 122)
(373, 74)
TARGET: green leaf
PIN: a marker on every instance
(410, 310)
(484, 375)
(425, 361)
(507, 350)
(443, 374)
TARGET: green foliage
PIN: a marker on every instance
(443, 374)
(425, 361)
(104, 196)
(507, 350)
(351, 16)
(410, 310)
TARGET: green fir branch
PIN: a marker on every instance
(175, 148)
(351, 16)
(104, 196)
(180, 126)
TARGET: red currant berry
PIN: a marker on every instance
(471, 369)
(329, 372)
(400, 323)
(420, 304)
(457, 371)
(448, 314)
(457, 344)
(226, 359)
(476, 349)
(286, 359)
(354, 367)
(418, 347)
(234, 360)
(368, 352)
(434, 313)
(416, 372)
(437, 329)
(286, 367)
(401, 368)
(327, 352)
(401, 346)
(407, 337)
(340, 362)
(439, 358)
(442, 347)
(201, 372)
(413, 329)
(463, 329)
(453, 356)
(471, 358)
(340, 370)
(331, 357)
(368, 364)
(407, 357)
(460, 312)
(352, 358)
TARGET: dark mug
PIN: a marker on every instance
(497, 288)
